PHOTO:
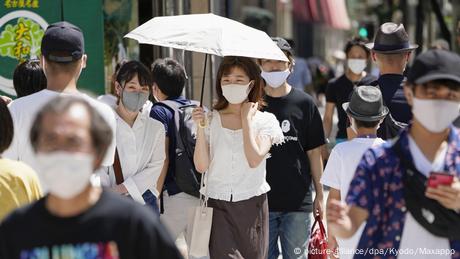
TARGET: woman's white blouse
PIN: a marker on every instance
(141, 149)
(229, 176)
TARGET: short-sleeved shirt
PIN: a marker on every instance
(412, 229)
(338, 91)
(339, 172)
(378, 188)
(230, 178)
(19, 185)
(391, 86)
(166, 117)
(114, 227)
(288, 169)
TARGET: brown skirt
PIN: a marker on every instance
(239, 229)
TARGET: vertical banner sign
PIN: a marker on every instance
(22, 25)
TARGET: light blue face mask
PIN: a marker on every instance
(133, 101)
(275, 79)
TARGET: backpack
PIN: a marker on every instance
(390, 128)
(185, 174)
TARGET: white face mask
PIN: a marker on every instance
(44, 66)
(235, 93)
(275, 79)
(354, 128)
(65, 174)
(356, 66)
(353, 125)
(435, 115)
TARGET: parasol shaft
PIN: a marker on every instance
(204, 79)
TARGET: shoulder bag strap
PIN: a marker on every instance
(117, 169)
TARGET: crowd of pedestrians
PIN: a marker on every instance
(122, 176)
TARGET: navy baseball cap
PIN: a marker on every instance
(63, 42)
(435, 64)
(282, 44)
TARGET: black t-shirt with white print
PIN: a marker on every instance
(114, 228)
(288, 168)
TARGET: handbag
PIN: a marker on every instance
(317, 245)
(200, 224)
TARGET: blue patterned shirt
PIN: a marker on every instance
(378, 188)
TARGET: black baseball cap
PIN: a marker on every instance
(282, 44)
(435, 64)
(63, 42)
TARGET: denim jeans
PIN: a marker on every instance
(293, 230)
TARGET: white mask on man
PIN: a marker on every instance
(353, 125)
(356, 66)
(65, 174)
(275, 79)
(435, 115)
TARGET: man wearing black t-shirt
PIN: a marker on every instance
(294, 165)
(339, 89)
(77, 219)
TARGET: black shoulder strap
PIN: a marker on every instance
(375, 83)
(117, 168)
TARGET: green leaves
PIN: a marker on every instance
(36, 34)
(7, 42)
(22, 40)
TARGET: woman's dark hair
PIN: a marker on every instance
(113, 78)
(169, 76)
(28, 78)
(130, 69)
(251, 69)
(6, 127)
(357, 41)
(100, 131)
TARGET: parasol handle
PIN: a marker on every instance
(204, 78)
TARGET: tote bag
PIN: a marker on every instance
(199, 226)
